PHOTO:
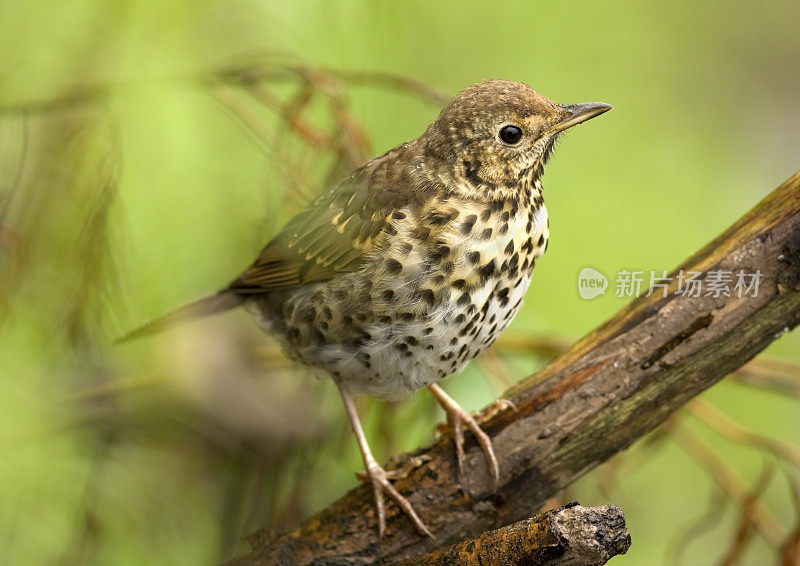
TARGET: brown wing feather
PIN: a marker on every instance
(330, 236)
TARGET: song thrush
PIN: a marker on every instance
(415, 263)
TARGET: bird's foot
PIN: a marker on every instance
(379, 478)
(457, 418)
(500, 405)
(376, 475)
(402, 472)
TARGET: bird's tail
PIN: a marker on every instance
(206, 306)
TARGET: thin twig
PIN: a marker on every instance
(762, 519)
(728, 428)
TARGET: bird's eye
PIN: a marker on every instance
(510, 134)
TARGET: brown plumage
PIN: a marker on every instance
(416, 262)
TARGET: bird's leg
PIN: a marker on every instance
(457, 416)
(377, 475)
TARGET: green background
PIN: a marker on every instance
(168, 450)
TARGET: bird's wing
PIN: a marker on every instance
(330, 236)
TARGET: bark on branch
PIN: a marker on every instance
(612, 387)
(566, 536)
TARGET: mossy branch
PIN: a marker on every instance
(569, 535)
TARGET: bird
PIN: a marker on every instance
(412, 265)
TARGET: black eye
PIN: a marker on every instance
(510, 134)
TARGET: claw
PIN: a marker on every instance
(380, 485)
(457, 417)
(502, 405)
(401, 472)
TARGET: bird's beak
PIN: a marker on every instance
(578, 113)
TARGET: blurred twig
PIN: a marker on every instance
(715, 419)
(782, 376)
(705, 522)
(726, 476)
(745, 529)
(790, 551)
(256, 71)
(519, 343)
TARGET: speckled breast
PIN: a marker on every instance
(443, 286)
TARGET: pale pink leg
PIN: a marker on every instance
(457, 416)
(377, 475)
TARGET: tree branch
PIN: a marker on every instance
(612, 387)
(566, 536)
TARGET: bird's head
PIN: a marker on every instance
(496, 136)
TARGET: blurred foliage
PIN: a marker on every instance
(148, 150)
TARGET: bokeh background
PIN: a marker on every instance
(149, 149)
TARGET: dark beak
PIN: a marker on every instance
(578, 113)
